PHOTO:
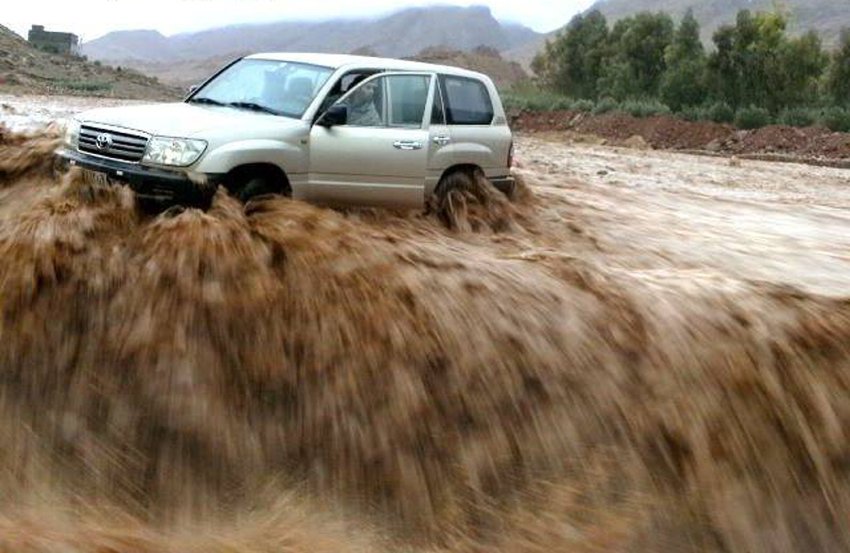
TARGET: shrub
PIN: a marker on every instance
(752, 117)
(583, 105)
(83, 86)
(605, 105)
(644, 108)
(535, 100)
(720, 112)
(562, 104)
(694, 113)
(835, 119)
(798, 117)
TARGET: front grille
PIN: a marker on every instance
(123, 145)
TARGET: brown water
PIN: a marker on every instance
(284, 377)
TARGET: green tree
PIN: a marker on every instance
(572, 63)
(754, 63)
(686, 43)
(636, 62)
(683, 83)
(838, 79)
(723, 66)
(804, 63)
(738, 63)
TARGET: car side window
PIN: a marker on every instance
(342, 86)
(467, 101)
(365, 104)
(392, 100)
(408, 95)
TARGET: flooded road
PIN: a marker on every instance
(778, 222)
(645, 352)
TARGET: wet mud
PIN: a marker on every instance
(285, 377)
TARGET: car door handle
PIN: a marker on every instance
(442, 140)
(407, 145)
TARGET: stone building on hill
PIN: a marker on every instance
(57, 43)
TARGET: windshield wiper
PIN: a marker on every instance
(253, 106)
(209, 101)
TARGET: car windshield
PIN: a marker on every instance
(268, 86)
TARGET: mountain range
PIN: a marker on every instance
(183, 58)
(401, 34)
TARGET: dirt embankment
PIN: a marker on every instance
(671, 133)
(287, 377)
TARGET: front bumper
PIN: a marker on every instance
(148, 183)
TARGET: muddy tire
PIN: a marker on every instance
(460, 180)
(466, 200)
(254, 188)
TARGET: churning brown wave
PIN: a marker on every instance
(284, 377)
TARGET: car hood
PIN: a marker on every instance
(181, 119)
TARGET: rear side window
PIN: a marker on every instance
(467, 101)
(408, 96)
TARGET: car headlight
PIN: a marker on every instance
(179, 152)
(72, 134)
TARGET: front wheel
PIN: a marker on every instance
(256, 187)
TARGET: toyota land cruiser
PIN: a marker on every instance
(325, 128)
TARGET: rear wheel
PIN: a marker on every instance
(449, 199)
(465, 199)
(460, 181)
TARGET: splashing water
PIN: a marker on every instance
(282, 377)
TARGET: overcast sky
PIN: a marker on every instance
(93, 18)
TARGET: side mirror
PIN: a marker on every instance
(337, 114)
(193, 88)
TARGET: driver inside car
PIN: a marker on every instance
(361, 107)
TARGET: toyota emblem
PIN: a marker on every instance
(104, 141)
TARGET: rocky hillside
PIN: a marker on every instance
(451, 27)
(485, 60)
(24, 69)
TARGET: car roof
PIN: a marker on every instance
(337, 61)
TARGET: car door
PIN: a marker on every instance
(380, 155)
(441, 150)
(478, 137)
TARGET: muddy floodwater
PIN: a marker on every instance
(645, 351)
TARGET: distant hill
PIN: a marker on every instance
(28, 70)
(401, 34)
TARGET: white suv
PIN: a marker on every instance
(324, 128)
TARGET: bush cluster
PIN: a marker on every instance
(644, 65)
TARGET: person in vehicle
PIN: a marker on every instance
(361, 107)
(343, 85)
